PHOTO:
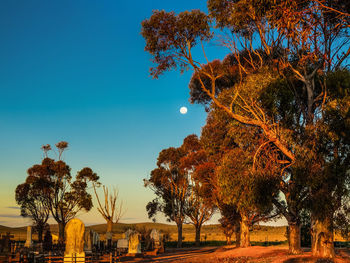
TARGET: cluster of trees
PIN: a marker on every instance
(180, 194)
(277, 137)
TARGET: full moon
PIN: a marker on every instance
(183, 110)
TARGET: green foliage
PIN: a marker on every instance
(167, 36)
(170, 184)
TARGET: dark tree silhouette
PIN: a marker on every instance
(31, 198)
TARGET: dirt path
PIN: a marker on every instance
(256, 254)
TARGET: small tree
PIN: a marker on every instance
(30, 196)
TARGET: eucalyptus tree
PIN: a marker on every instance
(200, 207)
(170, 184)
(59, 194)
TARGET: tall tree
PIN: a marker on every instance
(200, 208)
(170, 184)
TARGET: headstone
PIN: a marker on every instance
(109, 236)
(127, 233)
(74, 233)
(95, 239)
(122, 243)
(6, 242)
(157, 240)
(134, 243)
(54, 238)
(29, 241)
(88, 240)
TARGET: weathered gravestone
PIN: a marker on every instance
(109, 236)
(156, 238)
(128, 233)
(74, 232)
(95, 239)
(6, 242)
(29, 241)
(88, 236)
(134, 243)
(123, 244)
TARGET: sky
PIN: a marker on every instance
(77, 71)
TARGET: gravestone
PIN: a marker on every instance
(157, 241)
(29, 241)
(128, 233)
(134, 243)
(95, 239)
(88, 240)
(6, 242)
(122, 243)
(109, 236)
(74, 232)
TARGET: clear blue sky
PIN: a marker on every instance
(77, 71)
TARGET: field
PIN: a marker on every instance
(208, 233)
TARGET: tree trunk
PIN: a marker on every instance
(245, 238)
(238, 235)
(294, 238)
(322, 237)
(40, 234)
(109, 226)
(228, 239)
(61, 226)
(179, 235)
(198, 235)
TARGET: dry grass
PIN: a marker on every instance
(208, 233)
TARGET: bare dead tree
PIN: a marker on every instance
(112, 210)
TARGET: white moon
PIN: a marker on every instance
(183, 110)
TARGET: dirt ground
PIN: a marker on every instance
(256, 254)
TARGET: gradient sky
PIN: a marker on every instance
(77, 71)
